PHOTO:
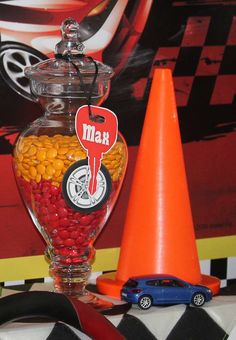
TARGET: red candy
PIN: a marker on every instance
(69, 242)
(62, 212)
(64, 234)
(71, 231)
(86, 220)
(52, 208)
(64, 222)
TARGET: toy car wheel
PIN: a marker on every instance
(145, 302)
(14, 57)
(75, 187)
(198, 299)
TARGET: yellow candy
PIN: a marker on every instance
(32, 150)
(51, 153)
(33, 171)
(38, 178)
(26, 178)
(41, 155)
(59, 178)
(64, 145)
(48, 145)
(46, 176)
(56, 184)
(58, 164)
(41, 169)
(61, 157)
(26, 165)
(25, 172)
(20, 166)
(50, 170)
(57, 136)
(70, 154)
(43, 137)
(79, 155)
(25, 148)
(74, 144)
(62, 150)
(48, 158)
(57, 173)
(37, 143)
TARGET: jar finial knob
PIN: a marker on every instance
(70, 43)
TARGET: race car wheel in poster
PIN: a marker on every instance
(14, 57)
(75, 187)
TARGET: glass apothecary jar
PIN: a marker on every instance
(51, 165)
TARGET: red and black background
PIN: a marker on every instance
(197, 40)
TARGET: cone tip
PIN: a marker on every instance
(162, 72)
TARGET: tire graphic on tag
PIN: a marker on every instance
(75, 187)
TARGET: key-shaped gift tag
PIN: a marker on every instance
(97, 134)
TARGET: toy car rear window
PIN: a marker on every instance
(131, 283)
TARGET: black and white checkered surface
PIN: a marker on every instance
(41, 331)
(216, 320)
(224, 269)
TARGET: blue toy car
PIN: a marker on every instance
(163, 290)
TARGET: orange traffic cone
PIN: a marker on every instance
(158, 234)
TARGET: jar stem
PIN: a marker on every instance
(70, 279)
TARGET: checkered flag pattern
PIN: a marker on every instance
(202, 59)
(224, 269)
(179, 322)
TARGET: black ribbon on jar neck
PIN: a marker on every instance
(72, 59)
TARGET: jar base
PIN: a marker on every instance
(70, 280)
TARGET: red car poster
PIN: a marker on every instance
(196, 39)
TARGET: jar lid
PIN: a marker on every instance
(69, 59)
